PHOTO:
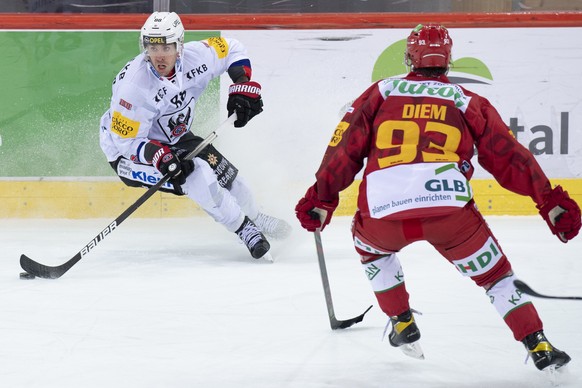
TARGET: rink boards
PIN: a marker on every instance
(90, 199)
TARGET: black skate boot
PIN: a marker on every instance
(253, 239)
(405, 335)
(543, 354)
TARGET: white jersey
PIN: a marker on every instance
(145, 106)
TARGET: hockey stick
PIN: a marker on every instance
(527, 290)
(333, 321)
(49, 272)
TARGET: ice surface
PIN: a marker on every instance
(180, 303)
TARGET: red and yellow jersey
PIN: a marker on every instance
(416, 137)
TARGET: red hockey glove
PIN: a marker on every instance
(167, 162)
(313, 213)
(245, 100)
(562, 214)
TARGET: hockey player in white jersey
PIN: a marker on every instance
(146, 129)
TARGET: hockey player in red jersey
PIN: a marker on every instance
(415, 136)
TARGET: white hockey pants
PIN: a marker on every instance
(225, 207)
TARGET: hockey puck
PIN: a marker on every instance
(26, 276)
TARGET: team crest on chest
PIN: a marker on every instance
(177, 123)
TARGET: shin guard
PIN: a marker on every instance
(515, 308)
(387, 280)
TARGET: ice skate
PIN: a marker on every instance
(405, 335)
(273, 227)
(255, 241)
(545, 356)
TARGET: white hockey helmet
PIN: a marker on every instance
(162, 28)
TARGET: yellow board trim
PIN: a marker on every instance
(54, 199)
(108, 199)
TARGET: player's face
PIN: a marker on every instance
(163, 57)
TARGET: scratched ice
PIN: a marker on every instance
(180, 303)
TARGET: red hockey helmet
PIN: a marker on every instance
(428, 45)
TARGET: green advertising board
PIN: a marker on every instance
(56, 86)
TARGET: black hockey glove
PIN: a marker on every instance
(167, 162)
(245, 100)
(187, 167)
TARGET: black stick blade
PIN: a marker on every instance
(337, 324)
(41, 270)
(528, 290)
